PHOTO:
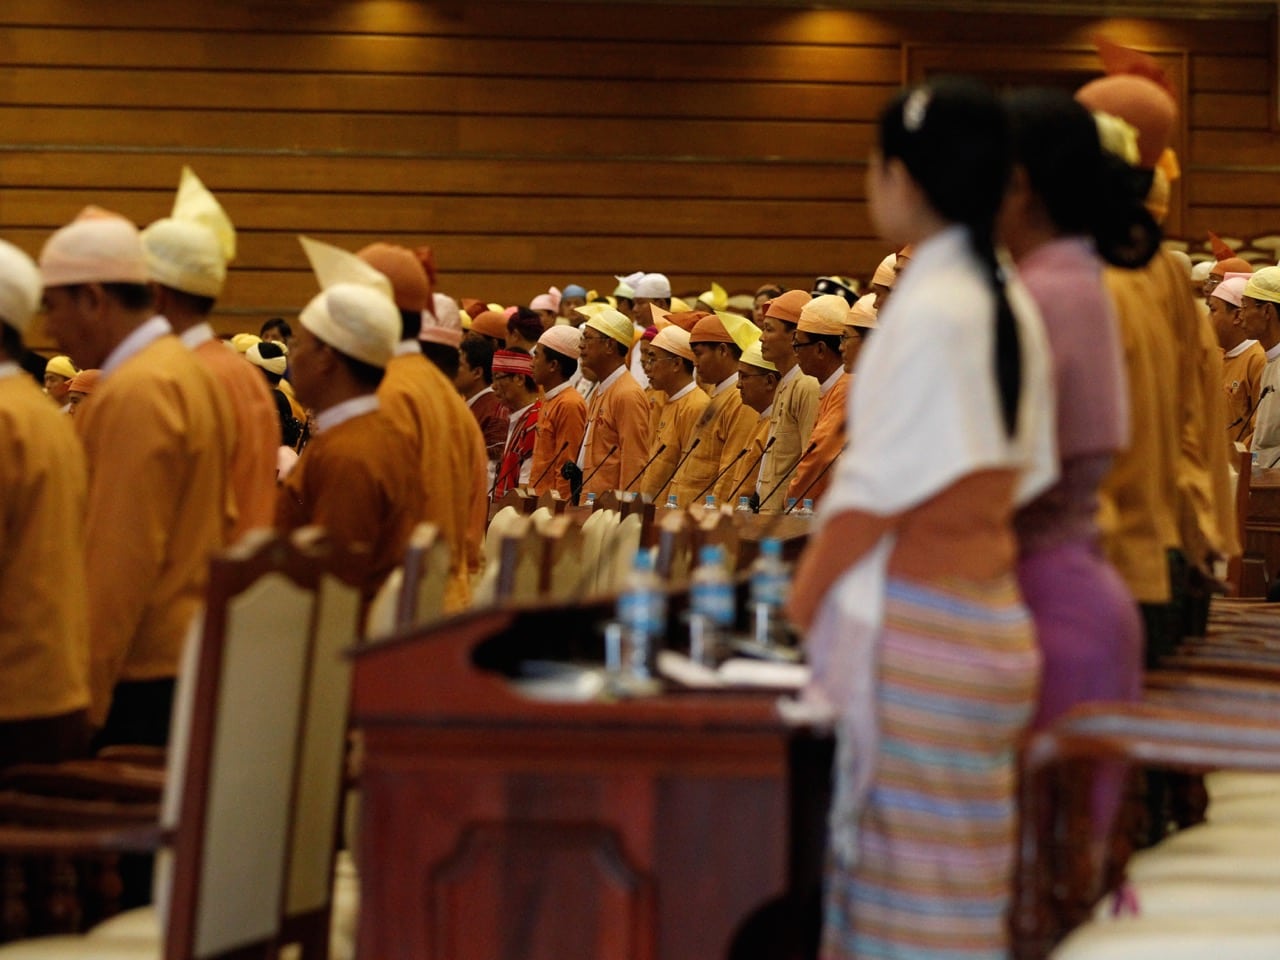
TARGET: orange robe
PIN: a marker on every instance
(448, 448)
(158, 435)
(253, 460)
(827, 439)
(1242, 380)
(44, 617)
(359, 481)
(724, 429)
(561, 425)
(744, 474)
(1138, 499)
(795, 408)
(676, 427)
(618, 414)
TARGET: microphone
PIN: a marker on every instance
(787, 476)
(547, 468)
(716, 479)
(573, 473)
(603, 461)
(1249, 412)
(821, 473)
(636, 479)
(692, 447)
(734, 492)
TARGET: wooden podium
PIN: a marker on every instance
(496, 826)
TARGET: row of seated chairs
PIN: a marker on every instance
(1206, 740)
(244, 822)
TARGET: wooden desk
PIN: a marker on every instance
(494, 826)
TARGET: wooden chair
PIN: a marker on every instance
(413, 594)
(266, 691)
(675, 555)
(519, 563)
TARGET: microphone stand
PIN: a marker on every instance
(821, 473)
(636, 479)
(734, 491)
(692, 447)
(792, 469)
(547, 468)
(716, 479)
(1248, 413)
(603, 461)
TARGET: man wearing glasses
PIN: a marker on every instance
(817, 346)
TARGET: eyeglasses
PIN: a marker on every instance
(586, 339)
(855, 334)
(749, 376)
(798, 345)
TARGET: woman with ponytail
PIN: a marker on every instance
(1072, 206)
(923, 655)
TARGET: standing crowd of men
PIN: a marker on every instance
(409, 408)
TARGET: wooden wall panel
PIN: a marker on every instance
(534, 143)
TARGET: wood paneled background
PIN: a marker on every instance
(535, 143)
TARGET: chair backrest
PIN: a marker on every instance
(618, 553)
(720, 530)
(595, 532)
(317, 788)
(235, 745)
(426, 573)
(675, 546)
(562, 559)
(519, 563)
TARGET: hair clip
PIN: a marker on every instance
(915, 107)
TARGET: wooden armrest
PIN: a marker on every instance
(87, 779)
(134, 754)
(33, 810)
(36, 841)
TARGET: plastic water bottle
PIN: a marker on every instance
(744, 505)
(673, 502)
(770, 580)
(804, 510)
(791, 503)
(710, 504)
(711, 602)
(591, 501)
(642, 611)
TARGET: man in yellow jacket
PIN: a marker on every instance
(158, 435)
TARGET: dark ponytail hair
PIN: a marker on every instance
(1086, 190)
(952, 136)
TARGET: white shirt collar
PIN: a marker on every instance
(193, 337)
(472, 401)
(767, 413)
(406, 347)
(687, 389)
(728, 383)
(9, 369)
(515, 417)
(1239, 348)
(556, 391)
(610, 380)
(790, 374)
(825, 387)
(1273, 353)
(141, 337)
(346, 410)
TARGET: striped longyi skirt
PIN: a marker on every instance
(958, 676)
